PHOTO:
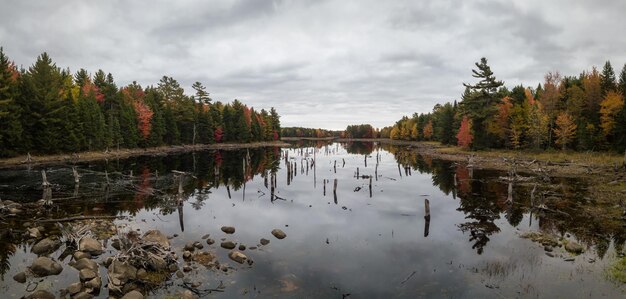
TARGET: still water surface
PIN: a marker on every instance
(357, 244)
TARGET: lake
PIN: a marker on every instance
(369, 239)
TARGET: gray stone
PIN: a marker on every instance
(158, 237)
(74, 288)
(548, 248)
(186, 268)
(34, 233)
(117, 244)
(78, 255)
(40, 294)
(173, 267)
(189, 247)
(83, 295)
(573, 247)
(85, 263)
(210, 241)
(186, 255)
(90, 245)
(133, 295)
(198, 245)
(20, 277)
(44, 266)
(45, 246)
(237, 257)
(265, 242)
(157, 263)
(228, 245)
(180, 274)
(242, 247)
(278, 233)
(187, 294)
(228, 229)
(86, 274)
(205, 236)
(120, 273)
(95, 283)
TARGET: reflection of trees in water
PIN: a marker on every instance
(482, 198)
(7, 249)
(359, 148)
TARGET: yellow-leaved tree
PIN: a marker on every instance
(610, 107)
(565, 130)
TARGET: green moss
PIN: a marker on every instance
(617, 271)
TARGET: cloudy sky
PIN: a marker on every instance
(320, 63)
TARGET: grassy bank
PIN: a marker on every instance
(125, 153)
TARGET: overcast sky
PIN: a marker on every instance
(320, 63)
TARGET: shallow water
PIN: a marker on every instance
(359, 244)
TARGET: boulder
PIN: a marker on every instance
(574, 247)
(210, 241)
(278, 233)
(20, 277)
(238, 257)
(34, 233)
(85, 263)
(242, 247)
(45, 246)
(158, 237)
(90, 245)
(228, 229)
(228, 244)
(78, 255)
(157, 263)
(264, 241)
(87, 274)
(95, 283)
(41, 294)
(44, 266)
(74, 288)
(190, 247)
(120, 273)
(133, 295)
(83, 295)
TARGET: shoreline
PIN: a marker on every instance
(126, 153)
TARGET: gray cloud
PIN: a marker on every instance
(320, 63)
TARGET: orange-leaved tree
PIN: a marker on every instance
(464, 137)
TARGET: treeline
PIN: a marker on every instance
(584, 112)
(46, 109)
(360, 131)
(308, 132)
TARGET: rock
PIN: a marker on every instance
(569, 259)
(117, 244)
(20, 277)
(173, 267)
(85, 263)
(573, 247)
(142, 273)
(550, 254)
(242, 247)
(158, 237)
(45, 246)
(237, 257)
(186, 255)
(157, 263)
(74, 288)
(44, 266)
(265, 242)
(86, 274)
(278, 233)
(187, 294)
(252, 247)
(186, 268)
(228, 229)
(180, 274)
(95, 283)
(78, 255)
(205, 236)
(83, 295)
(90, 245)
(224, 268)
(210, 241)
(34, 233)
(548, 248)
(198, 245)
(133, 295)
(228, 245)
(120, 273)
(107, 262)
(189, 247)
(40, 294)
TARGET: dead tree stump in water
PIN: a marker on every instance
(335, 191)
(76, 176)
(44, 179)
(426, 217)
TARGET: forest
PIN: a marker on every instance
(46, 109)
(584, 112)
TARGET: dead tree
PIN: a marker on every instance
(426, 217)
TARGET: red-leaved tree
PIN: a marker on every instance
(464, 137)
(144, 116)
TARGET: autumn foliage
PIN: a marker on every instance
(465, 137)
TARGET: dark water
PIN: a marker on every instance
(359, 244)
